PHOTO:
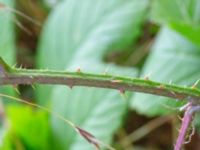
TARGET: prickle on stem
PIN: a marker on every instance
(184, 107)
(146, 77)
(122, 91)
(106, 71)
(78, 70)
(71, 86)
(195, 84)
(189, 111)
(161, 86)
(16, 89)
(190, 135)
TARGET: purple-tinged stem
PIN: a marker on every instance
(187, 119)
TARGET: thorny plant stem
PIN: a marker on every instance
(78, 78)
(13, 76)
(186, 121)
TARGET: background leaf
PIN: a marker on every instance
(111, 25)
(184, 16)
(82, 39)
(31, 129)
(173, 58)
(7, 35)
(7, 40)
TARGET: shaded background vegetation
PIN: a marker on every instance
(137, 38)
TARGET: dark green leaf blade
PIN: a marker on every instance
(173, 59)
(184, 16)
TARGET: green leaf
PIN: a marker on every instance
(91, 31)
(31, 128)
(80, 33)
(79, 25)
(7, 39)
(184, 16)
(7, 35)
(190, 32)
(173, 59)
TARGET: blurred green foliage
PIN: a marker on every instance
(80, 33)
(184, 16)
(25, 121)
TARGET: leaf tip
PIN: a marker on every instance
(89, 137)
(161, 86)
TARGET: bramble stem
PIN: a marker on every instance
(23, 76)
(186, 121)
